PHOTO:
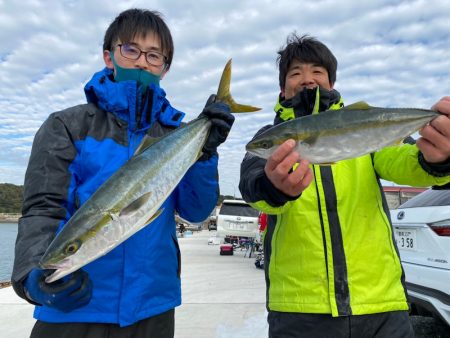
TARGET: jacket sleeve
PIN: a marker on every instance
(45, 203)
(257, 189)
(402, 165)
(198, 192)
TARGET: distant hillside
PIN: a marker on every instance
(10, 198)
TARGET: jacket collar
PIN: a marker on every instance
(122, 99)
(307, 102)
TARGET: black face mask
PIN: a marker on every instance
(303, 102)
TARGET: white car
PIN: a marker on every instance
(422, 231)
(237, 218)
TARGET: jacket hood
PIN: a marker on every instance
(123, 100)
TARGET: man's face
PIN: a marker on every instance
(305, 75)
(151, 43)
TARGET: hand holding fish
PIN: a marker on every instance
(349, 132)
(65, 295)
(219, 113)
(133, 196)
(435, 141)
(278, 170)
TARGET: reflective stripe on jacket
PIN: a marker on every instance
(332, 250)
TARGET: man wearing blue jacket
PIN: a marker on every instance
(131, 291)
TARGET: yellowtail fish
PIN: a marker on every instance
(336, 135)
(132, 197)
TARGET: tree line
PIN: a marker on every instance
(11, 198)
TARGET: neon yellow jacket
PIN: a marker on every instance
(332, 250)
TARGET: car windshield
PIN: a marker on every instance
(238, 210)
(429, 198)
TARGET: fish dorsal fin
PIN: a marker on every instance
(135, 205)
(360, 105)
(398, 142)
(155, 215)
(146, 142)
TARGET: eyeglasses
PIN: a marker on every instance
(132, 52)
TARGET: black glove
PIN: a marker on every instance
(304, 101)
(65, 294)
(220, 115)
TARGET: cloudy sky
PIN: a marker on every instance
(391, 53)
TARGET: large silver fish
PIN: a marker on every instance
(131, 198)
(337, 135)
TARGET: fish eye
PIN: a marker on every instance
(266, 144)
(72, 247)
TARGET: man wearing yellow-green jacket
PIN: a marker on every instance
(331, 262)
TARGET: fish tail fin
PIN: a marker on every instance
(224, 95)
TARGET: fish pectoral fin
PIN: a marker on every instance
(360, 105)
(200, 154)
(135, 205)
(155, 215)
(311, 140)
(146, 142)
(224, 95)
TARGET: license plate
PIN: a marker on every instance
(406, 239)
(238, 226)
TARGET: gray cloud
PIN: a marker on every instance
(390, 53)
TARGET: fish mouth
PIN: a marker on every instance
(48, 266)
(54, 264)
(59, 270)
(253, 149)
(262, 155)
(251, 146)
(57, 274)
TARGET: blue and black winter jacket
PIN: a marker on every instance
(73, 153)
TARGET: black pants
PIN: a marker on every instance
(160, 326)
(300, 325)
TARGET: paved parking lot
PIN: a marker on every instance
(223, 297)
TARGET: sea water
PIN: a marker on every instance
(8, 234)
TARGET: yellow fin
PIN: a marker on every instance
(146, 142)
(224, 95)
(360, 105)
(310, 140)
(155, 215)
(135, 205)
